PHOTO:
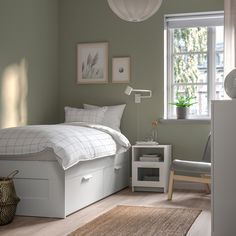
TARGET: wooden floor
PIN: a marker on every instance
(34, 226)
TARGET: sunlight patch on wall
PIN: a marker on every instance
(14, 95)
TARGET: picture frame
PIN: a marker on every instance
(92, 63)
(121, 70)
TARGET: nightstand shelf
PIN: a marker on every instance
(150, 175)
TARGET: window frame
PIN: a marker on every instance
(211, 19)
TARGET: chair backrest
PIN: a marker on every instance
(207, 151)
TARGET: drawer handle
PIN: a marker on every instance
(117, 168)
(87, 177)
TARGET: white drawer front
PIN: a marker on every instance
(115, 178)
(89, 188)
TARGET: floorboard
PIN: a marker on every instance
(28, 226)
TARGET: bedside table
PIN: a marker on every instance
(150, 167)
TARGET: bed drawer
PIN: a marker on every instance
(115, 178)
(83, 190)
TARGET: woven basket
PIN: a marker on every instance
(8, 199)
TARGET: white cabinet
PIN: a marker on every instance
(150, 175)
(224, 167)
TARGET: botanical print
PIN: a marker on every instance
(92, 63)
(92, 67)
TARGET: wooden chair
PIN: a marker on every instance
(189, 168)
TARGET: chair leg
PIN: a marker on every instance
(170, 188)
(208, 189)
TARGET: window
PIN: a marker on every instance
(195, 65)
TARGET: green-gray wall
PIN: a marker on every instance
(29, 41)
(35, 33)
(93, 21)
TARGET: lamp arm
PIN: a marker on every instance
(144, 91)
(147, 96)
(141, 90)
(138, 93)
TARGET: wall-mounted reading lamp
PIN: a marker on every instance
(138, 96)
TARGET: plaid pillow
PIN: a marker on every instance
(94, 116)
(112, 116)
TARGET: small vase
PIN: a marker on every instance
(154, 134)
(181, 112)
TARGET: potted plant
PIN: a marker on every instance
(182, 103)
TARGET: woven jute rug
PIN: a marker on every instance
(140, 221)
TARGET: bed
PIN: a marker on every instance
(52, 181)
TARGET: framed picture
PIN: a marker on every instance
(92, 63)
(121, 70)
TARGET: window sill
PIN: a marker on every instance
(185, 121)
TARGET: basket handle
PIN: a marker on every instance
(12, 174)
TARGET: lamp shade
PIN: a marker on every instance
(128, 90)
(134, 10)
(230, 84)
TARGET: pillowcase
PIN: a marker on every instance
(94, 116)
(112, 116)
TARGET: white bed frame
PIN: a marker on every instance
(46, 190)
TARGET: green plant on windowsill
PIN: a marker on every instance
(182, 103)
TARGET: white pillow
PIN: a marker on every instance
(94, 116)
(112, 116)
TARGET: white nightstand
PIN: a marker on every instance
(150, 175)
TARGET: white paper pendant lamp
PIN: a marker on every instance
(230, 84)
(134, 10)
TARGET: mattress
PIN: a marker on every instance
(45, 155)
(70, 142)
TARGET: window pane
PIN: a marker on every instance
(219, 38)
(219, 59)
(190, 39)
(219, 92)
(190, 68)
(219, 75)
(201, 97)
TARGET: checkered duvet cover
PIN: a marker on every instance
(71, 142)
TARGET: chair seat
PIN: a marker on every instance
(191, 166)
